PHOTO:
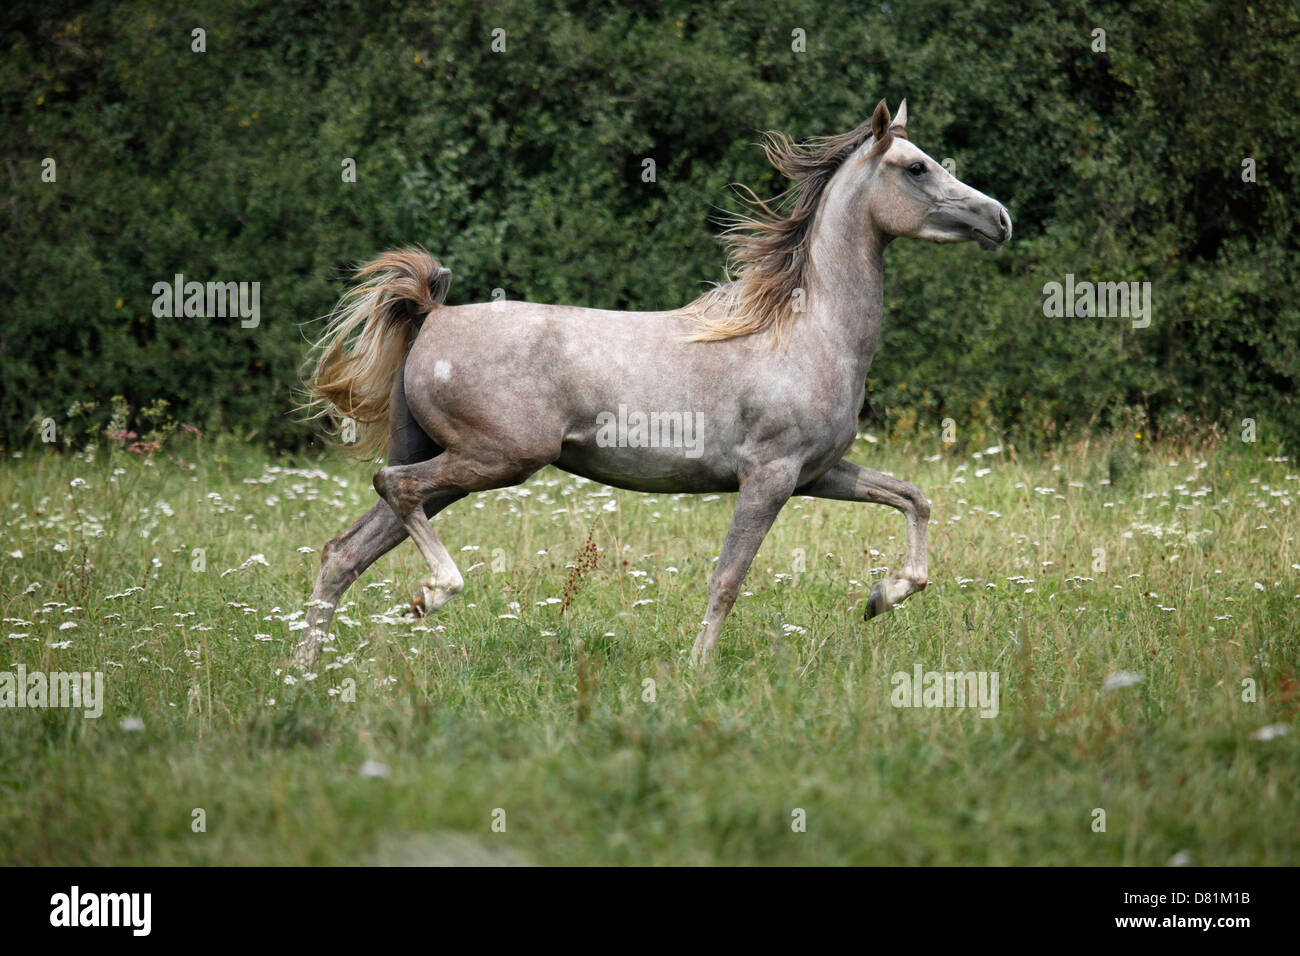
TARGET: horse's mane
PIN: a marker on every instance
(768, 255)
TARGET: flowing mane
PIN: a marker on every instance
(768, 256)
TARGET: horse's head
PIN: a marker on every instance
(906, 193)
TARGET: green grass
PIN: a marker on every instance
(543, 715)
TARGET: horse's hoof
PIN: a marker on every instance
(432, 598)
(307, 652)
(417, 604)
(876, 603)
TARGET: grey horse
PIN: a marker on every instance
(753, 388)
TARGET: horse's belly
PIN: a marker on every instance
(645, 468)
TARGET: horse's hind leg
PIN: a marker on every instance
(377, 532)
(345, 559)
(409, 489)
(342, 561)
(445, 582)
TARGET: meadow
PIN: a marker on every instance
(1138, 604)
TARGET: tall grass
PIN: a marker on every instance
(549, 714)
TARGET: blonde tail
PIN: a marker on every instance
(354, 370)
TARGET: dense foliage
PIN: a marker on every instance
(523, 171)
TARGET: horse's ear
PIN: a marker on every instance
(900, 119)
(880, 121)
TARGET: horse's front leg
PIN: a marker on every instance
(762, 495)
(849, 482)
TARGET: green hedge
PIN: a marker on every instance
(522, 170)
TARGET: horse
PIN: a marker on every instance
(771, 365)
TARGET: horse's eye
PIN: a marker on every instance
(917, 169)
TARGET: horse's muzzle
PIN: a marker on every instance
(991, 235)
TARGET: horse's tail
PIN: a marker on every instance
(364, 344)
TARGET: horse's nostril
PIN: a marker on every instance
(1004, 220)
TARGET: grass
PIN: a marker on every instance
(586, 731)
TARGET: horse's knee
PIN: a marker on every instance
(919, 502)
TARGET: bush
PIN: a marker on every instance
(523, 171)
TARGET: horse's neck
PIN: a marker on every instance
(845, 298)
